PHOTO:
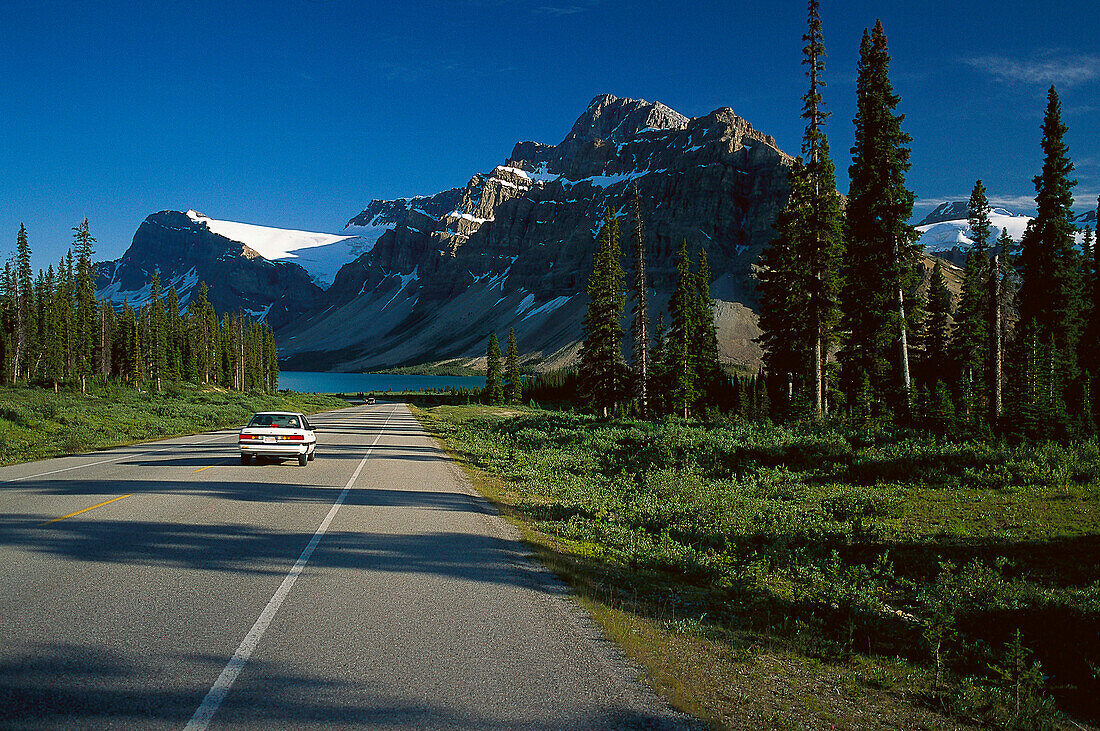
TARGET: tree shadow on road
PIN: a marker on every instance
(88, 685)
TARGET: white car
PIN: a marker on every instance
(278, 434)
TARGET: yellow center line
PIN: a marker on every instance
(220, 461)
(100, 505)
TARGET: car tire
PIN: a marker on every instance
(312, 455)
(302, 460)
(246, 458)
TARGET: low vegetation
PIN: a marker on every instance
(37, 423)
(802, 576)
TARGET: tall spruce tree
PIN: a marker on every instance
(602, 368)
(1090, 340)
(659, 382)
(7, 321)
(704, 344)
(1094, 353)
(173, 335)
(156, 341)
(53, 356)
(639, 324)
(800, 271)
(999, 302)
(86, 331)
(494, 391)
(970, 335)
(823, 242)
(24, 305)
(1050, 289)
(882, 253)
(781, 278)
(513, 383)
(938, 331)
(682, 360)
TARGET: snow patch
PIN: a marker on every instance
(320, 254)
(116, 296)
(412, 276)
(525, 304)
(548, 307)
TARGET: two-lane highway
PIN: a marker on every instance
(167, 585)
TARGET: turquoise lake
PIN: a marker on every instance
(316, 382)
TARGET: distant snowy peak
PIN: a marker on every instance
(320, 254)
(947, 228)
(959, 211)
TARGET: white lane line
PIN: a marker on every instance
(213, 700)
(106, 461)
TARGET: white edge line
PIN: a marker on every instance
(213, 700)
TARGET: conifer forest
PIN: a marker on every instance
(54, 331)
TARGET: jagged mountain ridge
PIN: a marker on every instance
(515, 249)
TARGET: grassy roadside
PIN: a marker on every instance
(771, 578)
(36, 423)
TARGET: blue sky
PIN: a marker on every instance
(295, 113)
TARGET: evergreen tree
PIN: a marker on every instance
(823, 241)
(513, 383)
(1050, 289)
(156, 341)
(173, 336)
(882, 254)
(999, 281)
(800, 272)
(1092, 338)
(86, 330)
(970, 335)
(683, 309)
(1089, 355)
(134, 358)
(659, 382)
(272, 359)
(639, 324)
(24, 305)
(67, 285)
(704, 344)
(938, 331)
(53, 356)
(494, 392)
(602, 368)
(781, 279)
(7, 321)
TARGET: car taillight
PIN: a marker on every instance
(243, 437)
(293, 437)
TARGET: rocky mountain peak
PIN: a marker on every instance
(612, 119)
(949, 211)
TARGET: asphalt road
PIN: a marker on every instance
(371, 588)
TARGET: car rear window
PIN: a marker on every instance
(280, 421)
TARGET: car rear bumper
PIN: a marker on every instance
(276, 450)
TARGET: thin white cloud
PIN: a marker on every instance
(1025, 204)
(1047, 68)
(1013, 203)
(559, 11)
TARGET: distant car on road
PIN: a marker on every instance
(370, 400)
(278, 434)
